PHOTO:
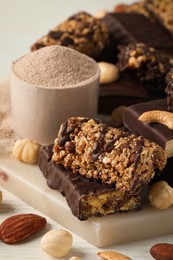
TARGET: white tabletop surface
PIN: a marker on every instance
(21, 23)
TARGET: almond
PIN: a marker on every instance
(112, 255)
(18, 227)
(162, 251)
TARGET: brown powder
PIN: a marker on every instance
(55, 66)
(7, 136)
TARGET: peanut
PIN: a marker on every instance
(57, 243)
(158, 116)
(109, 72)
(110, 255)
(161, 195)
(26, 151)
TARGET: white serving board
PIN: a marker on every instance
(28, 183)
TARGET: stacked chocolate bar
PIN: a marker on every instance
(101, 170)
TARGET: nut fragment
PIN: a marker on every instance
(117, 116)
(162, 251)
(158, 116)
(161, 195)
(109, 72)
(110, 255)
(26, 150)
(57, 243)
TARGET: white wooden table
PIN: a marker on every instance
(21, 23)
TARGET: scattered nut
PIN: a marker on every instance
(26, 151)
(162, 251)
(158, 116)
(57, 243)
(161, 195)
(117, 116)
(109, 72)
(75, 258)
(110, 255)
(18, 227)
(100, 14)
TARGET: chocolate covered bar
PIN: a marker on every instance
(126, 28)
(127, 90)
(156, 132)
(149, 65)
(106, 154)
(82, 32)
(86, 198)
(161, 10)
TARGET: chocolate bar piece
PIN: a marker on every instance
(127, 90)
(156, 132)
(128, 28)
(106, 154)
(161, 10)
(85, 197)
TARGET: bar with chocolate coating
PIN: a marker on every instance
(108, 155)
(155, 132)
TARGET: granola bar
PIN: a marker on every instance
(169, 90)
(106, 154)
(162, 10)
(148, 64)
(82, 32)
(86, 198)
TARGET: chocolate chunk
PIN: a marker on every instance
(128, 28)
(86, 198)
(156, 132)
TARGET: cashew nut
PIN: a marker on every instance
(161, 195)
(158, 116)
(109, 72)
(111, 255)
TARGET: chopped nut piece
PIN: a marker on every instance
(169, 90)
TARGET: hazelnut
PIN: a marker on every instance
(26, 150)
(57, 243)
(108, 72)
(161, 195)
